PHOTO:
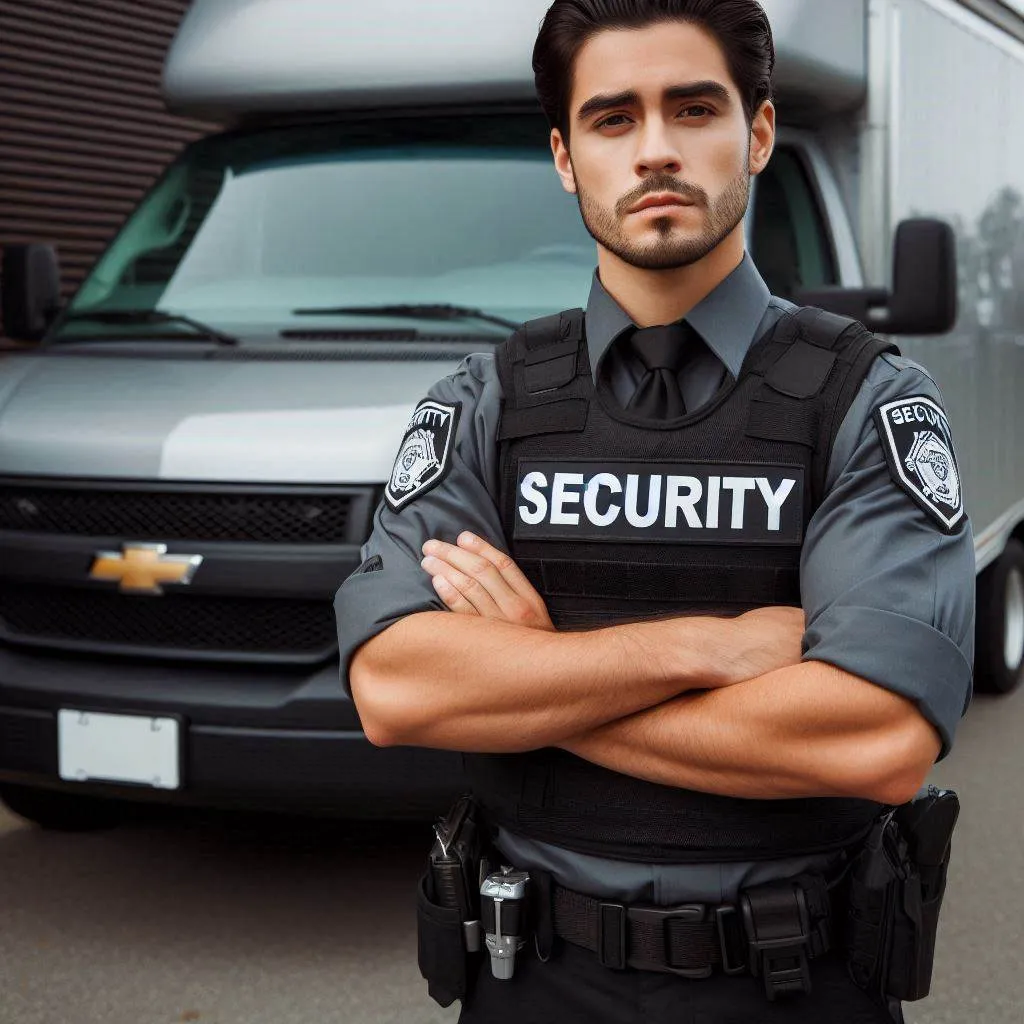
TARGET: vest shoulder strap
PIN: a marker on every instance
(539, 367)
(824, 328)
(544, 340)
(805, 366)
(812, 370)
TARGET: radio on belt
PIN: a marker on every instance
(503, 918)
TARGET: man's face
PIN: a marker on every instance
(660, 153)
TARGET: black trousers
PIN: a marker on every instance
(574, 988)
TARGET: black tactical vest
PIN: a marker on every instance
(615, 519)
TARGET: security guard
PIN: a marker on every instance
(686, 575)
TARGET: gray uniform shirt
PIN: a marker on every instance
(888, 596)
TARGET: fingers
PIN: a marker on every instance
(505, 564)
(474, 577)
(459, 579)
(521, 603)
(451, 596)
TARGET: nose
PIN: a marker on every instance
(656, 151)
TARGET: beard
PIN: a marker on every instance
(672, 249)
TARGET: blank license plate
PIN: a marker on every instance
(118, 748)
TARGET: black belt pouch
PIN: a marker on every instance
(896, 888)
(442, 954)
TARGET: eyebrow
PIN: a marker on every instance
(631, 98)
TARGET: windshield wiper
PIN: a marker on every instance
(427, 311)
(152, 316)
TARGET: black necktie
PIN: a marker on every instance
(662, 350)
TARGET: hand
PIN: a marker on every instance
(475, 578)
(766, 639)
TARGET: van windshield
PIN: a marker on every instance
(255, 233)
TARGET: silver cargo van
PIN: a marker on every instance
(191, 454)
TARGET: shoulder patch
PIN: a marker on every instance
(425, 454)
(919, 449)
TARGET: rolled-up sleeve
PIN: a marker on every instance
(889, 594)
(390, 583)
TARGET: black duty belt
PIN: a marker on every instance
(771, 932)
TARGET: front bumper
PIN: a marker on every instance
(252, 738)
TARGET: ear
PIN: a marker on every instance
(563, 161)
(762, 137)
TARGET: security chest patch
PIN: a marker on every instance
(918, 446)
(425, 454)
(693, 503)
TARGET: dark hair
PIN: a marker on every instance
(740, 26)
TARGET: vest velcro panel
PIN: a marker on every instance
(636, 581)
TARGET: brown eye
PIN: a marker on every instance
(615, 121)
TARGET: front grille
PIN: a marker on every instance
(162, 515)
(191, 625)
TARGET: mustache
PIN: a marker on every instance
(662, 183)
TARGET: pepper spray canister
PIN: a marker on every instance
(503, 918)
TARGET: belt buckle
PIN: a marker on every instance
(781, 961)
(783, 966)
(686, 911)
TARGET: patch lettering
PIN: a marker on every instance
(425, 453)
(918, 447)
(692, 503)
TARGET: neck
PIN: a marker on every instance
(655, 297)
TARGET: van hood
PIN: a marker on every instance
(331, 421)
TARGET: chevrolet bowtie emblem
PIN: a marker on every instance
(142, 568)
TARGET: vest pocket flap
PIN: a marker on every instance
(536, 333)
(545, 353)
(560, 417)
(787, 421)
(550, 374)
(802, 371)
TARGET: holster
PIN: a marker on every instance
(447, 900)
(896, 886)
(448, 967)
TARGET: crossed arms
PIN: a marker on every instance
(719, 705)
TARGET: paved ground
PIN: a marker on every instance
(269, 921)
(252, 922)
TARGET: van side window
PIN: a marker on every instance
(790, 242)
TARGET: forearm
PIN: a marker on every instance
(522, 688)
(806, 731)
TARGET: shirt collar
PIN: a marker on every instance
(727, 319)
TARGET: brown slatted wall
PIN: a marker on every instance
(83, 129)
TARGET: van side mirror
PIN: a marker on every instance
(30, 290)
(924, 294)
